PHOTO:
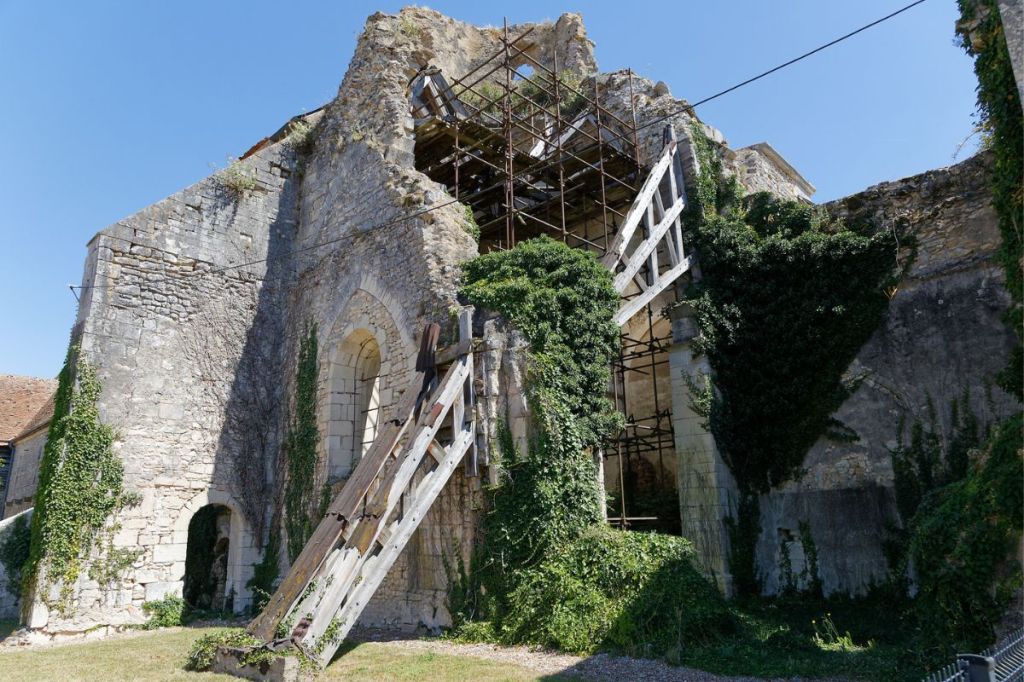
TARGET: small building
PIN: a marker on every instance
(26, 407)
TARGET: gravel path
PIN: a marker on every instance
(598, 667)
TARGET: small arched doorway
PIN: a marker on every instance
(207, 581)
(354, 402)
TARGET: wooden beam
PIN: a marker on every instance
(646, 248)
(637, 210)
(322, 645)
(634, 305)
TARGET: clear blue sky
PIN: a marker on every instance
(106, 107)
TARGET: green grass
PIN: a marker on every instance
(159, 656)
(778, 638)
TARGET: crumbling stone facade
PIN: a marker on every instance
(192, 311)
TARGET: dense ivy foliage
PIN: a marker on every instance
(638, 593)
(962, 543)
(14, 549)
(563, 301)
(925, 463)
(547, 571)
(300, 449)
(80, 485)
(787, 298)
(981, 34)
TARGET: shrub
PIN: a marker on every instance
(237, 179)
(300, 136)
(164, 613)
(962, 542)
(204, 649)
(562, 300)
(639, 593)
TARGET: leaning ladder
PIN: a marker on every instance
(372, 519)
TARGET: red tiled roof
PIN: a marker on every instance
(22, 403)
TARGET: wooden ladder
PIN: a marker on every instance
(658, 206)
(372, 519)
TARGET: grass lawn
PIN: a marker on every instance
(153, 656)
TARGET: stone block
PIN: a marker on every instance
(281, 669)
(169, 553)
(159, 590)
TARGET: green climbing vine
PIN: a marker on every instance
(962, 540)
(788, 297)
(14, 552)
(80, 488)
(265, 573)
(563, 301)
(547, 571)
(300, 449)
(999, 108)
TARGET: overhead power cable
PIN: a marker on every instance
(805, 55)
(680, 110)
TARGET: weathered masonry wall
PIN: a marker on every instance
(383, 277)
(24, 476)
(171, 317)
(942, 335)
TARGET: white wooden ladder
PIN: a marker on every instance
(658, 207)
(372, 519)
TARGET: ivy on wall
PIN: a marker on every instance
(788, 297)
(562, 300)
(547, 571)
(300, 449)
(981, 35)
(14, 553)
(962, 542)
(80, 487)
(265, 573)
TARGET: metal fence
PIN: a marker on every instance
(1002, 663)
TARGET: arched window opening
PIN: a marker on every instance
(206, 559)
(355, 402)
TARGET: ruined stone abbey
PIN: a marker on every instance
(354, 221)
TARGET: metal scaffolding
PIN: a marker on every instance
(531, 150)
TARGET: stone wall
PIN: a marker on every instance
(24, 476)
(173, 305)
(942, 338)
(759, 168)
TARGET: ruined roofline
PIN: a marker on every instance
(785, 166)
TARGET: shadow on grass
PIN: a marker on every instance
(783, 638)
(6, 628)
